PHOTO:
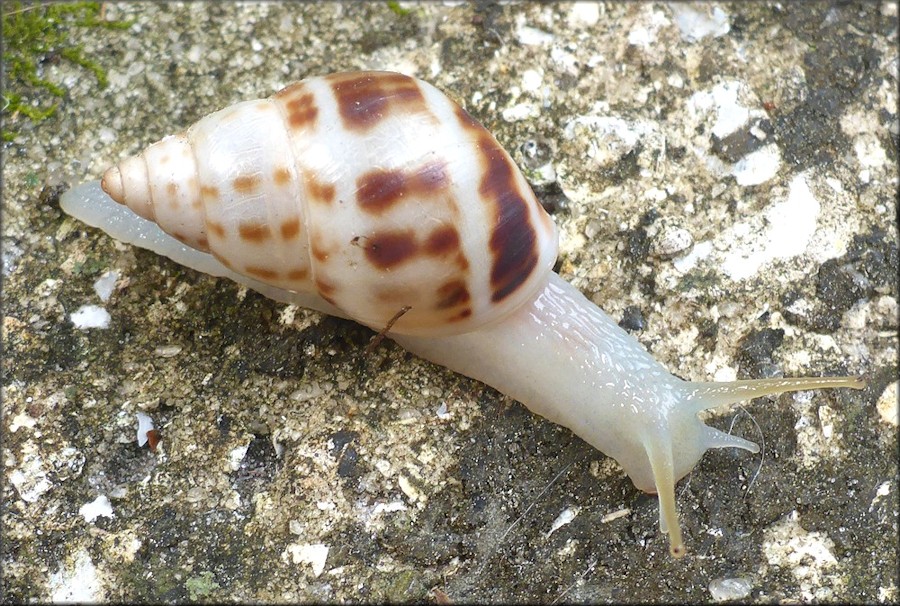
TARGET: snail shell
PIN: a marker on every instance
(330, 187)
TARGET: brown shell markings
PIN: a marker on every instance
(347, 172)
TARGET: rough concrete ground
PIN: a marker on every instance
(724, 178)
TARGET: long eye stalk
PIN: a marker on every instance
(700, 396)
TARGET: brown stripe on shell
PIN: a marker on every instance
(222, 260)
(215, 229)
(467, 121)
(299, 105)
(442, 240)
(260, 272)
(326, 289)
(246, 184)
(389, 249)
(290, 228)
(379, 190)
(514, 241)
(281, 176)
(366, 99)
(460, 316)
(211, 192)
(319, 254)
(451, 294)
(254, 232)
(302, 112)
(298, 274)
(319, 191)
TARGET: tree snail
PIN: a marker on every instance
(363, 194)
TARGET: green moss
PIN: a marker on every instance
(398, 587)
(201, 586)
(38, 33)
(91, 267)
(397, 9)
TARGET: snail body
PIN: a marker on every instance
(373, 196)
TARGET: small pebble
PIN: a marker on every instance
(105, 285)
(145, 425)
(90, 316)
(671, 241)
(887, 404)
(99, 507)
(724, 589)
(167, 351)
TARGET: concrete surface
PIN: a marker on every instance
(724, 179)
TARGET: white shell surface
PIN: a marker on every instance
(372, 189)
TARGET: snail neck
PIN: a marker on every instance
(566, 360)
(561, 356)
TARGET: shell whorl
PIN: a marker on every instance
(373, 189)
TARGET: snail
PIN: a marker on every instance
(373, 196)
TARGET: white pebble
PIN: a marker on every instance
(724, 589)
(698, 22)
(236, 456)
(96, 508)
(145, 425)
(567, 515)
(106, 135)
(315, 555)
(584, 13)
(521, 111)
(531, 80)
(194, 53)
(672, 241)
(106, 284)
(757, 167)
(167, 351)
(30, 479)
(90, 316)
(531, 36)
(887, 404)
(76, 584)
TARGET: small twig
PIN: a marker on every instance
(578, 580)
(376, 340)
(536, 500)
(497, 35)
(30, 7)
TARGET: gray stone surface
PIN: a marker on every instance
(724, 176)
